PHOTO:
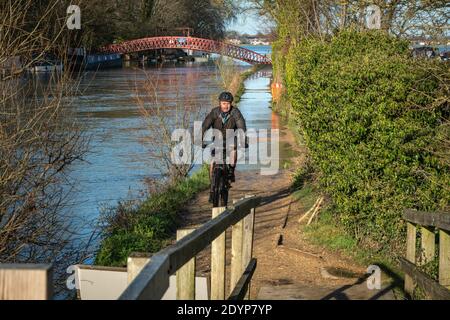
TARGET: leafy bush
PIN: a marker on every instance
(370, 116)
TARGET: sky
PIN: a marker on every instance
(248, 23)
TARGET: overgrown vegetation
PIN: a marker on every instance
(374, 121)
(40, 142)
(146, 227)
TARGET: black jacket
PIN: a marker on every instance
(214, 120)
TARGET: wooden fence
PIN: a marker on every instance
(26, 282)
(148, 276)
(152, 280)
(433, 226)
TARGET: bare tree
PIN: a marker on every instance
(399, 17)
(228, 74)
(39, 141)
(162, 113)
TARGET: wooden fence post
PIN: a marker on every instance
(218, 262)
(410, 254)
(26, 282)
(186, 274)
(428, 244)
(237, 238)
(247, 242)
(444, 258)
(135, 262)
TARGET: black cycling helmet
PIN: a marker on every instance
(226, 96)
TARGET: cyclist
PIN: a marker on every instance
(225, 116)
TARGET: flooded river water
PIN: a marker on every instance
(118, 161)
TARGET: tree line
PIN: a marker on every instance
(109, 21)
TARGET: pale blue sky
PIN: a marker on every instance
(248, 23)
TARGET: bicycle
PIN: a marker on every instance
(220, 185)
(220, 182)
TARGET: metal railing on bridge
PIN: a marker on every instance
(190, 43)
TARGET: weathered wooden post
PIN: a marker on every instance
(237, 238)
(247, 241)
(186, 274)
(444, 258)
(26, 282)
(428, 244)
(135, 262)
(218, 262)
(410, 254)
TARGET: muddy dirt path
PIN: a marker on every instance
(296, 269)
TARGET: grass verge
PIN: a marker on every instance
(149, 226)
(326, 232)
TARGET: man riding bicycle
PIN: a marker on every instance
(223, 118)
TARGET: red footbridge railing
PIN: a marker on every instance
(190, 43)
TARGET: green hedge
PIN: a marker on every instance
(369, 116)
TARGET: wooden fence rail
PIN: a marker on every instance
(431, 224)
(153, 279)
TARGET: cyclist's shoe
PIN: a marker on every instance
(210, 200)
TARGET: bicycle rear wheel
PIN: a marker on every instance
(224, 188)
(220, 187)
(216, 186)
